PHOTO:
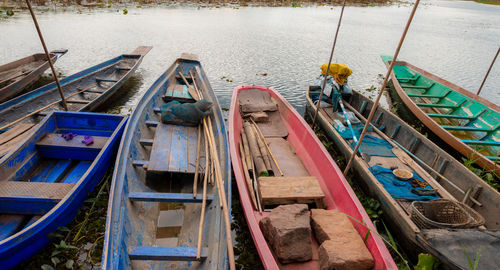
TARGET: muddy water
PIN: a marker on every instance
(278, 47)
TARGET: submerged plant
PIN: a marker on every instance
(427, 262)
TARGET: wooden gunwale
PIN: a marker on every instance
(396, 213)
(138, 218)
(23, 80)
(305, 143)
(65, 209)
(438, 159)
(444, 134)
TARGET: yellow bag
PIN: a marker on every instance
(339, 72)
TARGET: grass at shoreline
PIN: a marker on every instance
(488, 2)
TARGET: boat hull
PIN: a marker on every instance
(319, 164)
(491, 110)
(19, 83)
(133, 224)
(30, 240)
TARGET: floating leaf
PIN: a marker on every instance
(69, 264)
(46, 267)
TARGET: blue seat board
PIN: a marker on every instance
(26, 167)
(58, 170)
(77, 172)
(166, 253)
(168, 197)
(42, 175)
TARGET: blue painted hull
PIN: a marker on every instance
(31, 239)
(133, 224)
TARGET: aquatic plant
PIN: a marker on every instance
(472, 265)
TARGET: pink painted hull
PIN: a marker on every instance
(339, 196)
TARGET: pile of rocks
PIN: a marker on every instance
(288, 231)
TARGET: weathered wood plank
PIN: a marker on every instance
(287, 159)
(286, 190)
(55, 140)
(167, 197)
(166, 253)
(14, 132)
(174, 149)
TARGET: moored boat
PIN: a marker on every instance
(17, 75)
(48, 176)
(154, 211)
(309, 175)
(465, 121)
(403, 205)
(83, 91)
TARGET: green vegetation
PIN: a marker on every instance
(488, 2)
(487, 176)
(472, 265)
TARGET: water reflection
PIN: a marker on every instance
(453, 39)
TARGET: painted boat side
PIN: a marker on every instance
(71, 83)
(444, 134)
(33, 238)
(17, 86)
(115, 251)
(434, 156)
(412, 236)
(319, 163)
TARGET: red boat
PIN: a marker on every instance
(316, 161)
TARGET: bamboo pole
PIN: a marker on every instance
(47, 54)
(196, 96)
(248, 158)
(218, 180)
(196, 169)
(387, 75)
(328, 67)
(488, 72)
(259, 132)
(203, 206)
(257, 158)
(263, 151)
(395, 144)
(255, 184)
(247, 177)
(41, 109)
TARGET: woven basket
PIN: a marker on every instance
(476, 218)
(440, 213)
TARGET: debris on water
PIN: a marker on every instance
(262, 74)
(225, 109)
(125, 11)
(10, 12)
(226, 79)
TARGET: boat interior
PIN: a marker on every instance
(40, 174)
(15, 71)
(161, 209)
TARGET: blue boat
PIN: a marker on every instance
(153, 216)
(83, 91)
(46, 178)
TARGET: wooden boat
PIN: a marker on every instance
(84, 91)
(17, 75)
(445, 243)
(300, 155)
(153, 217)
(46, 178)
(467, 122)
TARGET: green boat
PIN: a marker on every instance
(467, 122)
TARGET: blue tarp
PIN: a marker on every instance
(397, 188)
(371, 145)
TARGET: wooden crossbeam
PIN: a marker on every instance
(166, 253)
(167, 197)
(476, 142)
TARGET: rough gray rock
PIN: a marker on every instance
(287, 230)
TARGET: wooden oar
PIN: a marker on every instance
(195, 181)
(192, 92)
(259, 132)
(41, 109)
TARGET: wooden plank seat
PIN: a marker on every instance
(255, 100)
(289, 190)
(166, 253)
(178, 92)
(424, 87)
(414, 78)
(100, 80)
(460, 128)
(33, 198)
(53, 145)
(476, 142)
(430, 96)
(174, 149)
(439, 105)
(168, 197)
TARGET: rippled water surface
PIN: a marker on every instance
(453, 39)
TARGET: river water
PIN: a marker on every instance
(452, 39)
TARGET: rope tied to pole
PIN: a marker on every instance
(386, 78)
